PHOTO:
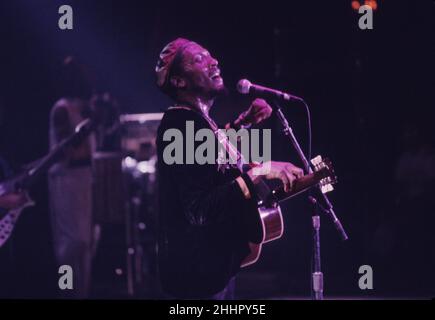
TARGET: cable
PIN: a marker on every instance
(309, 129)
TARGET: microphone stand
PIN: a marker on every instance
(317, 275)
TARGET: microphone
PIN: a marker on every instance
(244, 86)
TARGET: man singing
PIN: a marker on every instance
(203, 208)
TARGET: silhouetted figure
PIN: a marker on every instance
(70, 180)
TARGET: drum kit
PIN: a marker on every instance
(125, 206)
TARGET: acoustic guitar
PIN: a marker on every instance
(269, 224)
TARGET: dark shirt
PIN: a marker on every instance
(202, 211)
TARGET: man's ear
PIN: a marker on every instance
(178, 82)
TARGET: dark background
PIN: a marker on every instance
(371, 94)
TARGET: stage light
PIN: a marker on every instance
(357, 4)
(372, 3)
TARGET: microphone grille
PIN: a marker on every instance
(243, 86)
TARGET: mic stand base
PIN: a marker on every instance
(317, 275)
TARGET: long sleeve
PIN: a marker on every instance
(204, 201)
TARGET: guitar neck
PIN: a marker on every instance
(30, 176)
(300, 185)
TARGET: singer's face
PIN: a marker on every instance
(201, 72)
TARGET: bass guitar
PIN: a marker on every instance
(28, 177)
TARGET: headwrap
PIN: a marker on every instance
(171, 52)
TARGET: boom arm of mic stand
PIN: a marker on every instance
(329, 210)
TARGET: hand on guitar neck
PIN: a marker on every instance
(287, 172)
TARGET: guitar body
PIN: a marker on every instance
(270, 226)
(8, 221)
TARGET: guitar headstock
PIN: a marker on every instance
(325, 168)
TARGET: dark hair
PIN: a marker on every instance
(74, 80)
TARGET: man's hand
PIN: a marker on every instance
(13, 200)
(284, 171)
(257, 112)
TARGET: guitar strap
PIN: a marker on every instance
(261, 189)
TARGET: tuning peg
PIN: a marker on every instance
(316, 160)
(326, 188)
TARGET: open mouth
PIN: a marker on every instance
(215, 75)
